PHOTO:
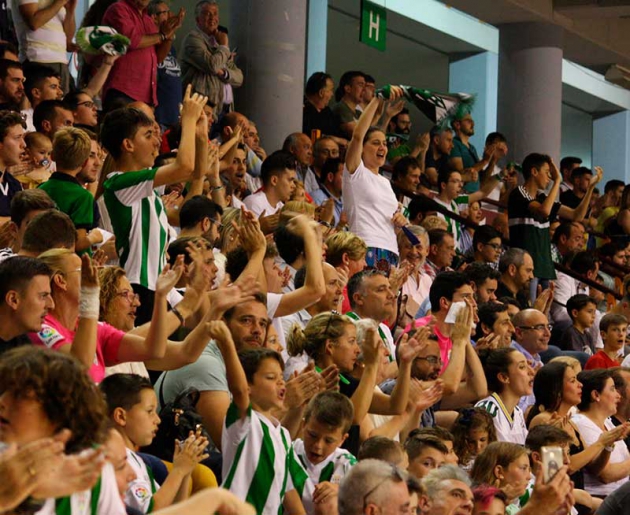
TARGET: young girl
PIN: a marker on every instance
(39, 150)
(506, 466)
(509, 378)
(473, 430)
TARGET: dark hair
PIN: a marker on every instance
(579, 302)
(437, 431)
(444, 285)
(236, 262)
(355, 284)
(488, 313)
(35, 78)
(333, 409)
(316, 83)
(6, 65)
(479, 273)
(512, 256)
(7, 46)
(510, 301)
(483, 235)
(62, 385)
(276, 164)
(49, 230)
(495, 362)
(592, 381)
(613, 184)
(581, 171)
(196, 209)
(436, 236)
(9, 119)
(331, 165)
(180, 247)
(610, 319)
(534, 160)
(394, 119)
(26, 201)
(258, 297)
(416, 443)
(403, 166)
(582, 262)
(290, 246)
(421, 204)
(495, 137)
(346, 80)
(71, 99)
(444, 175)
(567, 162)
(46, 110)
(610, 249)
(252, 358)
(471, 419)
(17, 271)
(369, 79)
(548, 387)
(371, 131)
(564, 229)
(381, 448)
(123, 390)
(119, 125)
(545, 434)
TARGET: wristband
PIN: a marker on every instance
(609, 448)
(162, 37)
(217, 188)
(179, 316)
(89, 302)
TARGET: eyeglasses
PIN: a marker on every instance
(495, 246)
(333, 313)
(129, 296)
(538, 327)
(217, 223)
(88, 103)
(396, 475)
(431, 360)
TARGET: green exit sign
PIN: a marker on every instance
(373, 25)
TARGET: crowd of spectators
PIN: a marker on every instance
(365, 321)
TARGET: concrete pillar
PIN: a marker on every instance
(316, 37)
(611, 145)
(478, 75)
(530, 88)
(271, 41)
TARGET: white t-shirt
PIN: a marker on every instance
(509, 428)
(370, 204)
(257, 203)
(140, 491)
(590, 434)
(46, 44)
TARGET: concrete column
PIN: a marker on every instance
(530, 88)
(611, 145)
(478, 75)
(271, 41)
(316, 37)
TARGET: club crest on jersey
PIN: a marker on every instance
(49, 336)
(141, 493)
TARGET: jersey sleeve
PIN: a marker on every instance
(109, 339)
(235, 427)
(109, 500)
(49, 337)
(130, 187)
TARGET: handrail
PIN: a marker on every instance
(589, 282)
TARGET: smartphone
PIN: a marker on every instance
(552, 460)
(454, 310)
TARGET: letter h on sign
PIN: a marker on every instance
(373, 25)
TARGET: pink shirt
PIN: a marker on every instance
(445, 342)
(54, 335)
(135, 73)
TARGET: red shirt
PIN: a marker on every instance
(600, 360)
(135, 73)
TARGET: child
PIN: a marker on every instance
(613, 329)
(132, 192)
(445, 436)
(320, 462)
(581, 309)
(425, 453)
(132, 407)
(39, 150)
(473, 430)
(256, 448)
(384, 449)
(299, 194)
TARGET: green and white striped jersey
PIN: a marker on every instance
(139, 221)
(305, 475)
(256, 451)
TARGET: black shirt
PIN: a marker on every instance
(9, 186)
(13, 343)
(353, 442)
(439, 164)
(522, 297)
(323, 120)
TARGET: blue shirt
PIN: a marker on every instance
(322, 195)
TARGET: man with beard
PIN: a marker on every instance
(484, 279)
(398, 131)
(11, 147)
(516, 267)
(464, 157)
(200, 217)
(11, 85)
(440, 147)
(494, 320)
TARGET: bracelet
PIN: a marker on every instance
(325, 224)
(162, 37)
(179, 316)
(609, 448)
(217, 188)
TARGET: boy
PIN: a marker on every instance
(71, 150)
(320, 463)
(445, 436)
(384, 449)
(613, 329)
(425, 452)
(132, 407)
(255, 446)
(581, 309)
(132, 193)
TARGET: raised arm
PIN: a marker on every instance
(372, 355)
(579, 212)
(544, 210)
(355, 147)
